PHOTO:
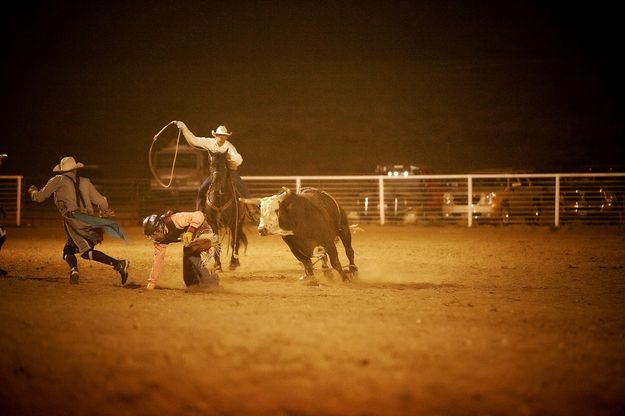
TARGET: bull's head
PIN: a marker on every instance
(269, 210)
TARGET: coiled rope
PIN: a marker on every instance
(173, 164)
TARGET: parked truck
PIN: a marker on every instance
(190, 169)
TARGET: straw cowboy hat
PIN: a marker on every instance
(67, 163)
(221, 131)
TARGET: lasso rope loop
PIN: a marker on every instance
(154, 173)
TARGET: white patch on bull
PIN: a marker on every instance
(269, 221)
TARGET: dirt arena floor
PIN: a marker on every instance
(442, 321)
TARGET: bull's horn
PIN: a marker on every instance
(286, 190)
(251, 201)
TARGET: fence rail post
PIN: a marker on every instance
(381, 199)
(469, 201)
(557, 203)
(18, 211)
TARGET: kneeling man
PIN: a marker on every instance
(200, 246)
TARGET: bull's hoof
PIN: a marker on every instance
(212, 288)
(351, 272)
(311, 281)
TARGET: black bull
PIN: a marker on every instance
(306, 220)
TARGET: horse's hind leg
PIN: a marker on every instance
(234, 246)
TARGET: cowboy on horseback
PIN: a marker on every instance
(217, 144)
(218, 194)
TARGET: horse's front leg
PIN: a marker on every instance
(234, 261)
(217, 263)
(234, 245)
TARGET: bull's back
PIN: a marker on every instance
(334, 214)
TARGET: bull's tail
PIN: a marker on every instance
(354, 228)
(338, 207)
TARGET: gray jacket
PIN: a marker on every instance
(62, 186)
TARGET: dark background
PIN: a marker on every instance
(315, 87)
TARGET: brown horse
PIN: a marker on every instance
(223, 210)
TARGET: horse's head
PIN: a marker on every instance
(218, 172)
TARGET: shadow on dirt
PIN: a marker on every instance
(407, 286)
(191, 289)
(132, 285)
(286, 275)
(36, 279)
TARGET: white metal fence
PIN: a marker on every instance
(541, 199)
(466, 200)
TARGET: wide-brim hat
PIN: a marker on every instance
(67, 163)
(221, 131)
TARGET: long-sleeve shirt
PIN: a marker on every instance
(210, 144)
(64, 191)
(180, 221)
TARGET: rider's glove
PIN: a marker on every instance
(31, 190)
(186, 238)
